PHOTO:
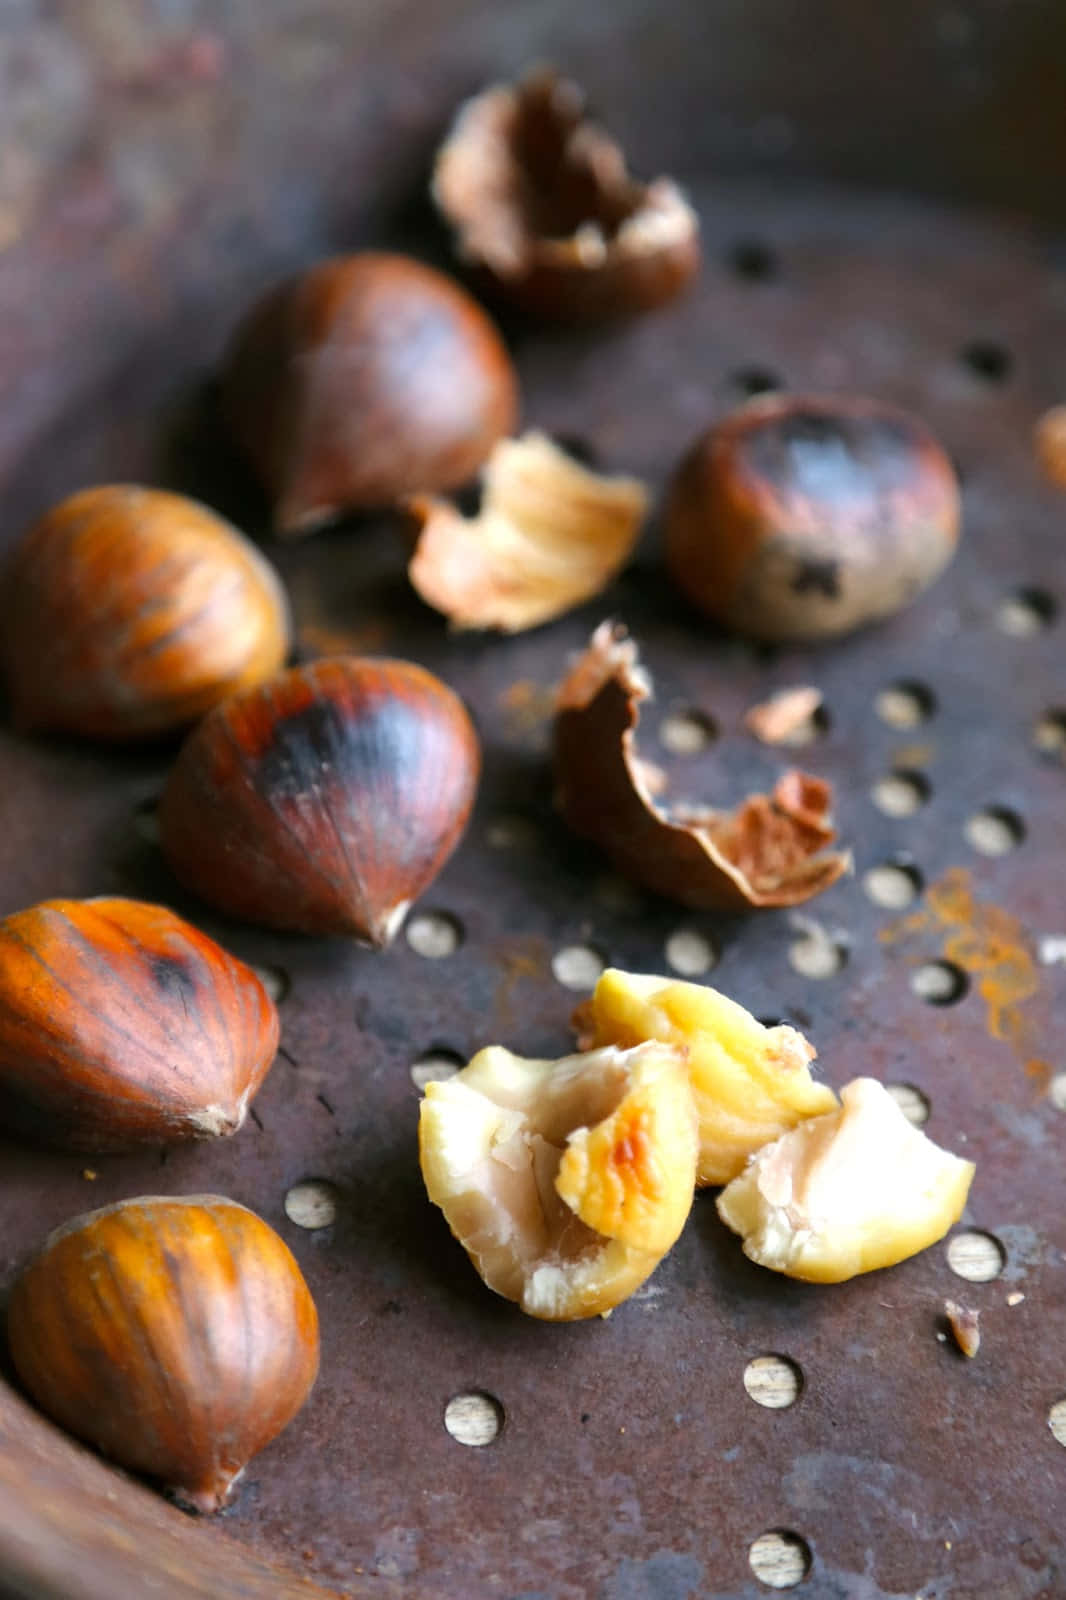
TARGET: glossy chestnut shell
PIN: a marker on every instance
(177, 1336)
(129, 612)
(326, 800)
(366, 378)
(122, 1025)
(805, 516)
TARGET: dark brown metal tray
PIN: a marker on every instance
(172, 162)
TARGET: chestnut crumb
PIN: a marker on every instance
(541, 200)
(962, 1321)
(784, 717)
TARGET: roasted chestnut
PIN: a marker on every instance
(544, 207)
(128, 612)
(326, 800)
(366, 378)
(177, 1336)
(804, 516)
(121, 1025)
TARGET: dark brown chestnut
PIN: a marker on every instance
(544, 207)
(122, 1025)
(129, 612)
(805, 516)
(176, 1335)
(326, 800)
(366, 378)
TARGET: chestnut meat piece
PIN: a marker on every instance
(127, 613)
(365, 378)
(326, 800)
(543, 205)
(805, 516)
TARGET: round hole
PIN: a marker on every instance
(976, 1256)
(434, 1066)
(901, 794)
(773, 1381)
(752, 259)
(1049, 735)
(1057, 1091)
(939, 983)
(1026, 613)
(891, 885)
(312, 1203)
(474, 1419)
(577, 966)
(996, 831)
(752, 381)
(690, 953)
(780, 1559)
(434, 934)
(511, 833)
(912, 1102)
(1056, 1420)
(817, 955)
(686, 733)
(988, 360)
(905, 705)
(146, 820)
(275, 981)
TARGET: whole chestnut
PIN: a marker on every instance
(129, 612)
(805, 516)
(177, 1336)
(122, 1025)
(365, 378)
(326, 800)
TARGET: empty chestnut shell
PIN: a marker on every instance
(326, 800)
(543, 205)
(129, 612)
(121, 1025)
(805, 516)
(366, 378)
(177, 1336)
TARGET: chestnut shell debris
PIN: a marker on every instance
(550, 535)
(542, 202)
(770, 851)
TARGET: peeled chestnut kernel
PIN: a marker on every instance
(749, 1083)
(770, 851)
(541, 201)
(176, 1336)
(122, 1025)
(848, 1192)
(550, 535)
(326, 800)
(566, 1182)
(805, 516)
(128, 612)
(365, 378)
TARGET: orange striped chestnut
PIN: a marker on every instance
(127, 613)
(177, 1336)
(326, 800)
(122, 1025)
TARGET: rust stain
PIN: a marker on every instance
(994, 949)
(522, 960)
(914, 755)
(527, 705)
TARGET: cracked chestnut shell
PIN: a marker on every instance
(128, 612)
(122, 1025)
(177, 1336)
(365, 378)
(805, 516)
(326, 800)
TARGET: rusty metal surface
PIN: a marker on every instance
(632, 1463)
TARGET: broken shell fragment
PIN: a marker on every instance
(770, 851)
(848, 1192)
(550, 535)
(1050, 440)
(541, 200)
(566, 1182)
(750, 1083)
